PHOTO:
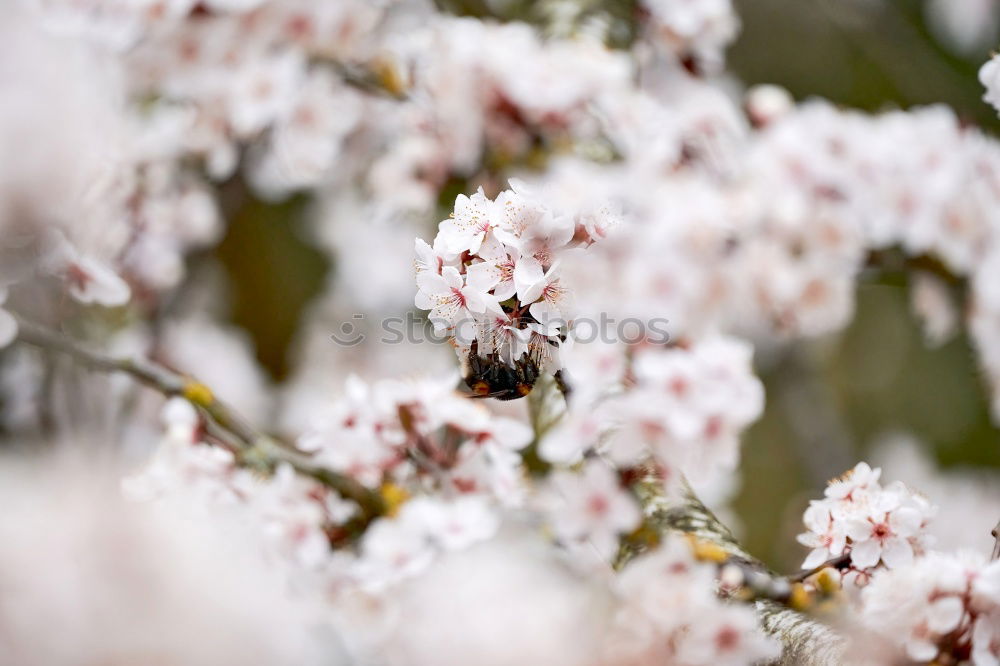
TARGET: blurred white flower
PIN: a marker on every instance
(529, 608)
(137, 583)
(933, 303)
(88, 280)
(965, 26)
(395, 549)
(701, 28)
(8, 325)
(989, 76)
(668, 613)
(591, 508)
(924, 607)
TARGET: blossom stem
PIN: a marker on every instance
(251, 447)
(996, 545)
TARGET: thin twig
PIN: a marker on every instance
(252, 447)
(996, 545)
(838, 562)
(163, 380)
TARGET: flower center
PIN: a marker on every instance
(598, 505)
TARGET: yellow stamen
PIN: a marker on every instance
(394, 497)
(198, 393)
(799, 599)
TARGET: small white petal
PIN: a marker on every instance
(921, 650)
(905, 521)
(816, 558)
(858, 530)
(8, 328)
(944, 614)
(897, 553)
(866, 554)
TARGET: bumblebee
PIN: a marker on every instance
(492, 377)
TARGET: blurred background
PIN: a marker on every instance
(858, 395)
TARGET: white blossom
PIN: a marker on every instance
(8, 325)
(989, 76)
(592, 508)
(870, 523)
(924, 607)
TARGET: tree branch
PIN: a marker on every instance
(805, 641)
(253, 448)
(838, 562)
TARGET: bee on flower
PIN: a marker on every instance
(492, 280)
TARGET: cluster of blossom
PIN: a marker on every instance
(262, 75)
(768, 230)
(694, 31)
(414, 433)
(684, 407)
(940, 608)
(282, 77)
(492, 277)
(61, 217)
(298, 517)
(110, 202)
(931, 607)
(869, 524)
(292, 512)
(777, 245)
(225, 75)
(406, 438)
(99, 208)
(495, 89)
(283, 86)
(650, 628)
(753, 222)
(664, 601)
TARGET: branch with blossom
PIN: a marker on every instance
(599, 166)
(251, 446)
(805, 639)
(259, 451)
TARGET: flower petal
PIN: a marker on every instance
(866, 554)
(529, 279)
(858, 530)
(482, 276)
(897, 552)
(8, 328)
(905, 521)
(944, 615)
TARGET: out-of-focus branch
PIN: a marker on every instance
(252, 447)
(149, 374)
(805, 640)
(996, 545)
